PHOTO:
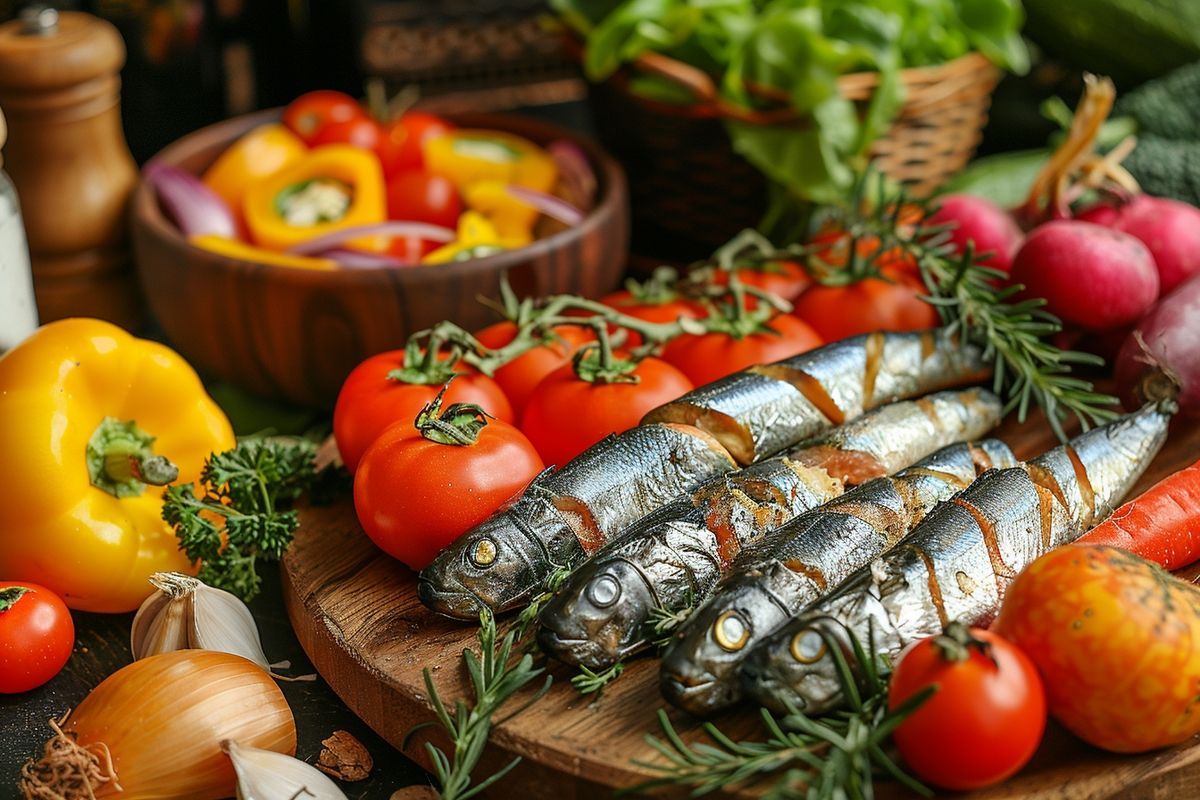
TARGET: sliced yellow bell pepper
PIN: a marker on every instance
(92, 420)
(513, 218)
(467, 156)
(258, 154)
(248, 252)
(477, 237)
(333, 187)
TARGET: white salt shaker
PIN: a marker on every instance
(18, 313)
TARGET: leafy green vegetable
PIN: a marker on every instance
(243, 513)
(764, 53)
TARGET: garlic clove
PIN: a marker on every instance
(220, 621)
(163, 623)
(267, 775)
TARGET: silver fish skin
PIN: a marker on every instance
(958, 562)
(671, 561)
(568, 515)
(798, 563)
(766, 409)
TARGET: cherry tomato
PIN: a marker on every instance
(833, 245)
(873, 304)
(36, 636)
(706, 357)
(310, 112)
(650, 311)
(566, 414)
(414, 496)
(985, 719)
(411, 249)
(371, 401)
(404, 138)
(362, 132)
(421, 196)
(519, 377)
(786, 279)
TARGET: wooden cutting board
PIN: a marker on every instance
(356, 613)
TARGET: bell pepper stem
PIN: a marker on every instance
(121, 462)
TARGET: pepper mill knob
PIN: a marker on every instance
(67, 156)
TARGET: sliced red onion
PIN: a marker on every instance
(548, 204)
(191, 205)
(357, 259)
(576, 176)
(391, 228)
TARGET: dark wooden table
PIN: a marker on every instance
(102, 647)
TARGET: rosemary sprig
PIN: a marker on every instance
(590, 682)
(529, 614)
(972, 300)
(495, 677)
(662, 622)
(837, 755)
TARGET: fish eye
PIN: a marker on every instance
(483, 554)
(808, 646)
(604, 591)
(731, 631)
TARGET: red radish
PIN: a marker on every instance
(991, 228)
(1091, 276)
(1164, 349)
(1169, 228)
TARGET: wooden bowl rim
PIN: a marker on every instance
(611, 180)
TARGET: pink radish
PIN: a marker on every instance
(1162, 354)
(991, 228)
(1170, 229)
(1091, 276)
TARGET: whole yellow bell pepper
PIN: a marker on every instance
(333, 187)
(469, 156)
(92, 420)
(256, 155)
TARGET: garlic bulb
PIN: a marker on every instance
(188, 614)
(267, 775)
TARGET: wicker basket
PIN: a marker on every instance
(690, 192)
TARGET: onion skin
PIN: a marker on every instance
(1165, 347)
(163, 720)
(190, 204)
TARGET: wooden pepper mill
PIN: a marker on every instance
(67, 156)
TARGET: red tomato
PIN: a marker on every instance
(310, 112)
(421, 196)
(362, 132)
(984, 721)
(370, 401)
(706, 357)
(414, 496)
(36, 636)
(411, 249)
(405, 137)
(665, 311)
(519, 377)
(834, 245)
(786, 279)
(870, 305)
(566, 414)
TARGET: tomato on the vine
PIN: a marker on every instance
(415, 494)
(36, 636)
(519, 377)
(370, 401)
(986, 716)
(708, 356)
(404, 138)
(651, 310)
(783, 278)
(891, 303)
(568, 414)
(310, 112)
(421, 196)
(362, 132)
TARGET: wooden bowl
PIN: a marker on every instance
(294, 334)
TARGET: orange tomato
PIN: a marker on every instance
(1117, 642)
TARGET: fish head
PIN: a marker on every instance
(494, 565)
(794, 669)
(700, 669)
(599, 616)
